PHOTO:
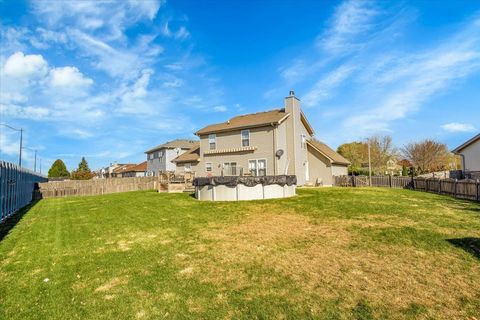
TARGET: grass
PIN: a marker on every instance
(326, 254)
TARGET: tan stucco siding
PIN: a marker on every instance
(472, 156)
(281, 137)
(319, 168)
(261, 138)
(180, 168)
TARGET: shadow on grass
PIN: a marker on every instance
(470, 244)
(12, 221)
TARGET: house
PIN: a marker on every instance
(274, 142)
(139, 170)
(108, 172)
(121, 169)
(188, 161)
(159, 159)
(470, 154)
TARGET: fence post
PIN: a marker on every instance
(478, 189)
(390, 180)
(353, 181)
(439, 186)
(455, 188)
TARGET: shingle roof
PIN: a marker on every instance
(123, 167)
(246, 121)
(335, 157)
(466, 144)
(191, 155)
(141, 167)
(178, 143)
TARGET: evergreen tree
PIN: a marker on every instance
(58, 170)
(83, 172)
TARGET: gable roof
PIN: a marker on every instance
(466, 144)
(251, 120)
(141, 167)
(335, 157)
(123, 168)
(192, 155)
(177, 143)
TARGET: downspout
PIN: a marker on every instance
(274, 149)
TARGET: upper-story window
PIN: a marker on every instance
(160, 153)
(151, 156)
(212, 141)
(304, 141)
(245, 138)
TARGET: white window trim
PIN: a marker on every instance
(206, 166)
(241, 137)
(214, 141)
(229, 163)
(256, 165)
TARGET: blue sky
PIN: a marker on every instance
(109, 79)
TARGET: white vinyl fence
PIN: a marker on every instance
(17, 185)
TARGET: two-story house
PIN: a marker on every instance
(274, 142)
(159, 159)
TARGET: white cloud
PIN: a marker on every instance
(68, 77)
(26, 67)
(459, 127)
(351, 19)
(324, 88)
(220, 109)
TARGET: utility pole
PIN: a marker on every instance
(21, 141)
(369, 165)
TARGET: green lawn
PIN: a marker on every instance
(328, 253)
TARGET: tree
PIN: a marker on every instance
(58, 170)
(381, 152)
(83, 172)
(355, 152)
(429, 156)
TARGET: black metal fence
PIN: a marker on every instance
(464, 189)
(17, 185)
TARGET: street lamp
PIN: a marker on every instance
(21, 140)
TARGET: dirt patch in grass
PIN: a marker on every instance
(115, 282)
(317, 260)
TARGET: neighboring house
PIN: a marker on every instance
(159, 159)
(470, 154)
(107, 172)
(139, 170)
(121, 169)
(274, 142)
(188, 161)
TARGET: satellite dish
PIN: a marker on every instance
(279, 153)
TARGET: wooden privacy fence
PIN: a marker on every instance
(54, 189)
(17, 185)
(464, 189)
(377, 181)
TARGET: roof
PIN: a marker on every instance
(466, 144)
(246, 121)
(123, 167)
(328, 152)
(191, 155)
(141, 167)
(178, 143)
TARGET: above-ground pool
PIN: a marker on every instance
(244, 188)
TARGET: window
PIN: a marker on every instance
(151, 155)
(160, 154)
(257, 167)
(245, 138)
(188, 167)
(230, 168)
(208, 167)
(304, 141)
(212, 141)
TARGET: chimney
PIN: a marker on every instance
(292, 93)
(292, 104)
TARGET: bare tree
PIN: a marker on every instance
(382, 151)
(428, 156)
